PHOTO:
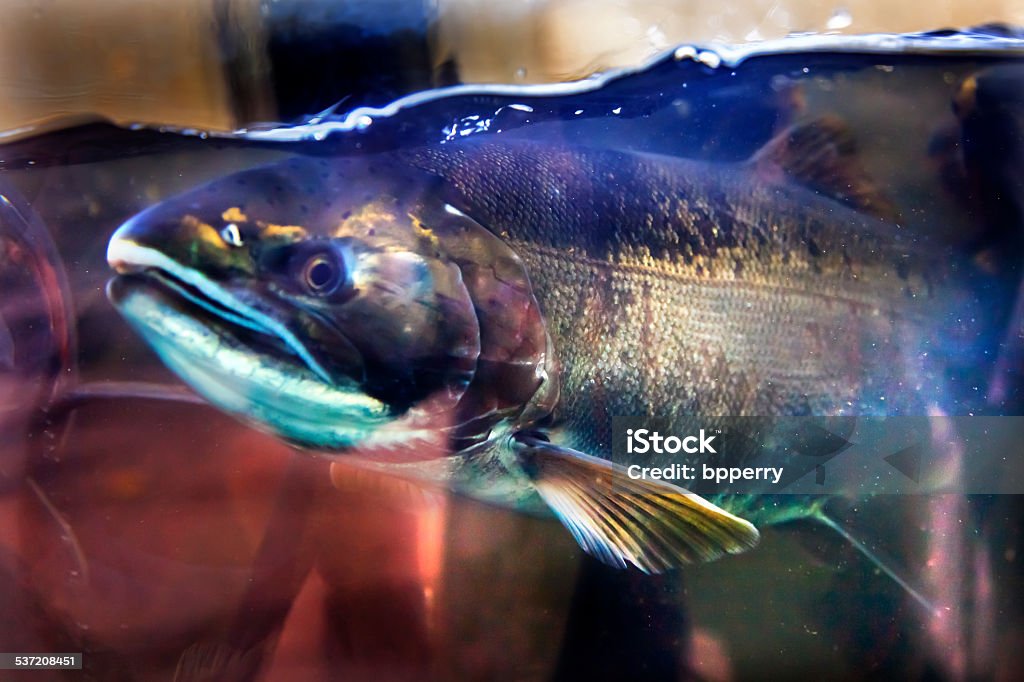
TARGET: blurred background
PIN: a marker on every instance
(222, 64)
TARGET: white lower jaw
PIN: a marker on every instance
(124, 255)
(287, 400)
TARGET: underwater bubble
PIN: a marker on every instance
(682, 107)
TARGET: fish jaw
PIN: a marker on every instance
(271, 393)
(126, 256)
(234, 354)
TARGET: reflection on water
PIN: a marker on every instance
(158, 536)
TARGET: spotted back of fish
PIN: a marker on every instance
(673, 287)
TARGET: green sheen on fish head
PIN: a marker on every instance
(336, 303)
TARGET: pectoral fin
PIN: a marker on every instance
(652, 525)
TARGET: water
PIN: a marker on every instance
(146, 532)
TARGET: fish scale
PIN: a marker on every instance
(673, 288)
(721, 352)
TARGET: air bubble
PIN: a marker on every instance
(709, 59)
(685, 52)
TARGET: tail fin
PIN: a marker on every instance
(872, 556)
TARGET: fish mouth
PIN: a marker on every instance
(192, 301)
(195, 295)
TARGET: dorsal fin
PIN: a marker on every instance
(822, 155)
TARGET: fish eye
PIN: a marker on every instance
(231, 234)
(322, 273)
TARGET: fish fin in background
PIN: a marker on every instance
(822, 155)
(217, 662)
(873, 556)
(652, 525)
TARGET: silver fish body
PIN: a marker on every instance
(515, 296)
